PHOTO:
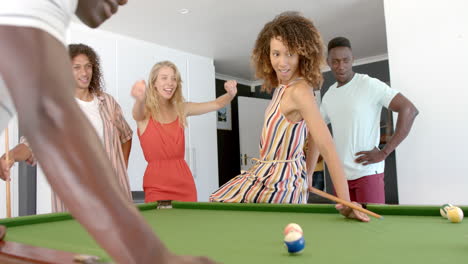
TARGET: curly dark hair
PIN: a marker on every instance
(301, 37)
(97, 83)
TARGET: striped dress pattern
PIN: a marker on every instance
(279, 175)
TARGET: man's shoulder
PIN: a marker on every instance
(332, 86)
(105, 96)
(366, 79)
(330, 93)
(107, 99)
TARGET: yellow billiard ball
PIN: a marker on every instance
(455, 214)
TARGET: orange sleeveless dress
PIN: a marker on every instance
(167, 176)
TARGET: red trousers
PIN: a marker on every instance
(368, 189)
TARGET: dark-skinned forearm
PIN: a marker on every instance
(404, 123)
(126, 147)
(67, 146)
(21, 152)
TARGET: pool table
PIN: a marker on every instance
(252, 233)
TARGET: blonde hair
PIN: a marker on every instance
(152, 102)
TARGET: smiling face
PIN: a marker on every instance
(166, 82)
(82, 71)
(284, 63)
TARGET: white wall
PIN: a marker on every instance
(428, 55)
(203, 148)
(125, 60)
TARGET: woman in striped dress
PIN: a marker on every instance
(279, 176)
(288, 54)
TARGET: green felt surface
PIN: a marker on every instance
(241, 233)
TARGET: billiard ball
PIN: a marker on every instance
(292, 227)
(455, 214)
(294, 242)
(443, 210)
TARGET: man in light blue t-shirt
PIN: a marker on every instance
(353, 106)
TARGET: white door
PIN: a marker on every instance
(251, 117)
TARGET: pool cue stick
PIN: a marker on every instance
(343, 202)
(8, 190)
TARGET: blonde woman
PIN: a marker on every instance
(160, 112)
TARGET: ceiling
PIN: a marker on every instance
(226, 30)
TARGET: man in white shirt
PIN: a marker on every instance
(353, 107)
(35, 67)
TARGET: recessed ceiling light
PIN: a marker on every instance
(184, 11)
